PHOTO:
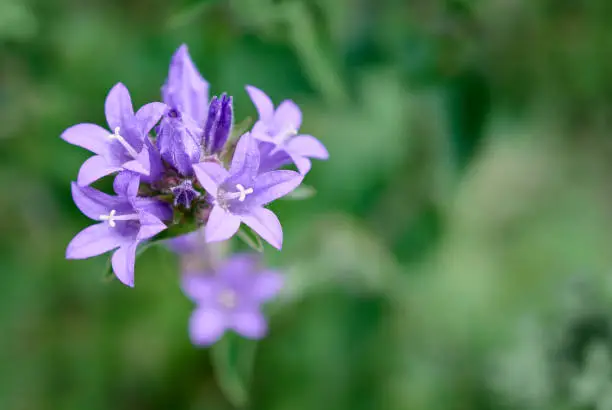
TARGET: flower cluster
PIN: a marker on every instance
(176, 169)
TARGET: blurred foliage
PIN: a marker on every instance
(456, 254)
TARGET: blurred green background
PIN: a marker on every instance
(456, 256)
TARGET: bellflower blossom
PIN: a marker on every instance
(277, 129)
(240, 194)
(230, 298)
(182, 183)
(126, 147)
(125, 222)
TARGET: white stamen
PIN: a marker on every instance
(116, 136)
(112, 217)
(243, 192)
(227, 298)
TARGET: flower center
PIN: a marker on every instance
(227, 298)
(112, 217)
(117, 137)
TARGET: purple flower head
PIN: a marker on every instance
(230, 298)
(184, 194)
(126, 147)
(178, 141)
(218, 124)
(185, 89)
(125, 221)
(277, 129)
(240, 194)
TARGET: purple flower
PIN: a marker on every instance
(230, 299)
(185, 89)
(126, 147)
(179, 141)
(240, 194)
(218, 124)
(126, 221)
(184, 194)
(278, 132)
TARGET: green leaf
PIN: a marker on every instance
(232, 359)
(250, 238)
(300, 193)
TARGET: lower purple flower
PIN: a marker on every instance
(239, 196)
(230, 298)
(125, 221)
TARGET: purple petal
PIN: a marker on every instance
(155, 163)
(266, 224)
(237, 270)
(185, 89)
(94, 203)
(272, 157)
(93, 240)
(251, 325)
(263, 103)
(149, 115)
(118, 107)
(307, 146)
(266, 286)
(210, 175)
(93, 169)
(224, 125)
(303, 164)
(140, 164)
(178, 142)
(161, 210)
(212, 118)
(260, 132)
(206, 326)
(273, 185)
(123, 261)
(122, 182)
(89, 136)
(188, 243)
(150, 225)
(246, 157)
(132, 185)
(288, 115)
(200, 288)
(221, 225)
